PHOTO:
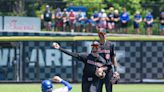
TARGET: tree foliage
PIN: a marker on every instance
(36, 7)
(91, 5)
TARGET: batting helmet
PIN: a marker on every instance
(46, 86)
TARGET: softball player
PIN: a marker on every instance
(47, 85)
(92, 71)
(107, 52)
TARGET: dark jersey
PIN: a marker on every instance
(47, 16)
(115, 17)
(107, 51)
(110, 16)
(161, 19)
(90, 62)
(91, 65)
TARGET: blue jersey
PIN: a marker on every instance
(67, 87)
(124, 17)
(148, 17)
(137, 17)
(96, 15)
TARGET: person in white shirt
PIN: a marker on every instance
(102, 22)
(47, 85)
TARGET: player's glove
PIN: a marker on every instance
(100, 73)
(115, 78)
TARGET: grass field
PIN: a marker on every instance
(77, 88)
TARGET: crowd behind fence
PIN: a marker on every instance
(113, 22)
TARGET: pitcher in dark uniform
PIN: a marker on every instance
(92, 71)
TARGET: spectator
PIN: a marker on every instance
(110, 19)
(65, 20)
(116, 20)
(149, 23)
(87, 25)
(47, 18)
(59, 20)
(102, 23)
(124, 18)
(137, 21)
(79, 20)
(94, 20)
(161, 19)
(72, 20)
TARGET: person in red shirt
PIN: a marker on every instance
(72, 20)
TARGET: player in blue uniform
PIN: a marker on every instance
(47, 85)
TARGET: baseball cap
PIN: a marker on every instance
(95, 43)
(102, 32)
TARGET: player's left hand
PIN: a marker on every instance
(115, 78)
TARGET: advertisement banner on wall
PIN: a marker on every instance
(22, 23)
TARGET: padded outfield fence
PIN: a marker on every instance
(29, 58)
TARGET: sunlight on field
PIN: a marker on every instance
(77, 88)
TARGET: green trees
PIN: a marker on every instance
(131, 5)
(91, 5)
(35, 7)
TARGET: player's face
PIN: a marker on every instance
(95, 49)
(102, 38)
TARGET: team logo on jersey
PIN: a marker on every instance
(107, 56)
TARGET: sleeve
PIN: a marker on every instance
(69, 53)
(79, 56)
(67, 84)
(112, 53)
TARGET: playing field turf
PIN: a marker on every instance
(77, 88)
